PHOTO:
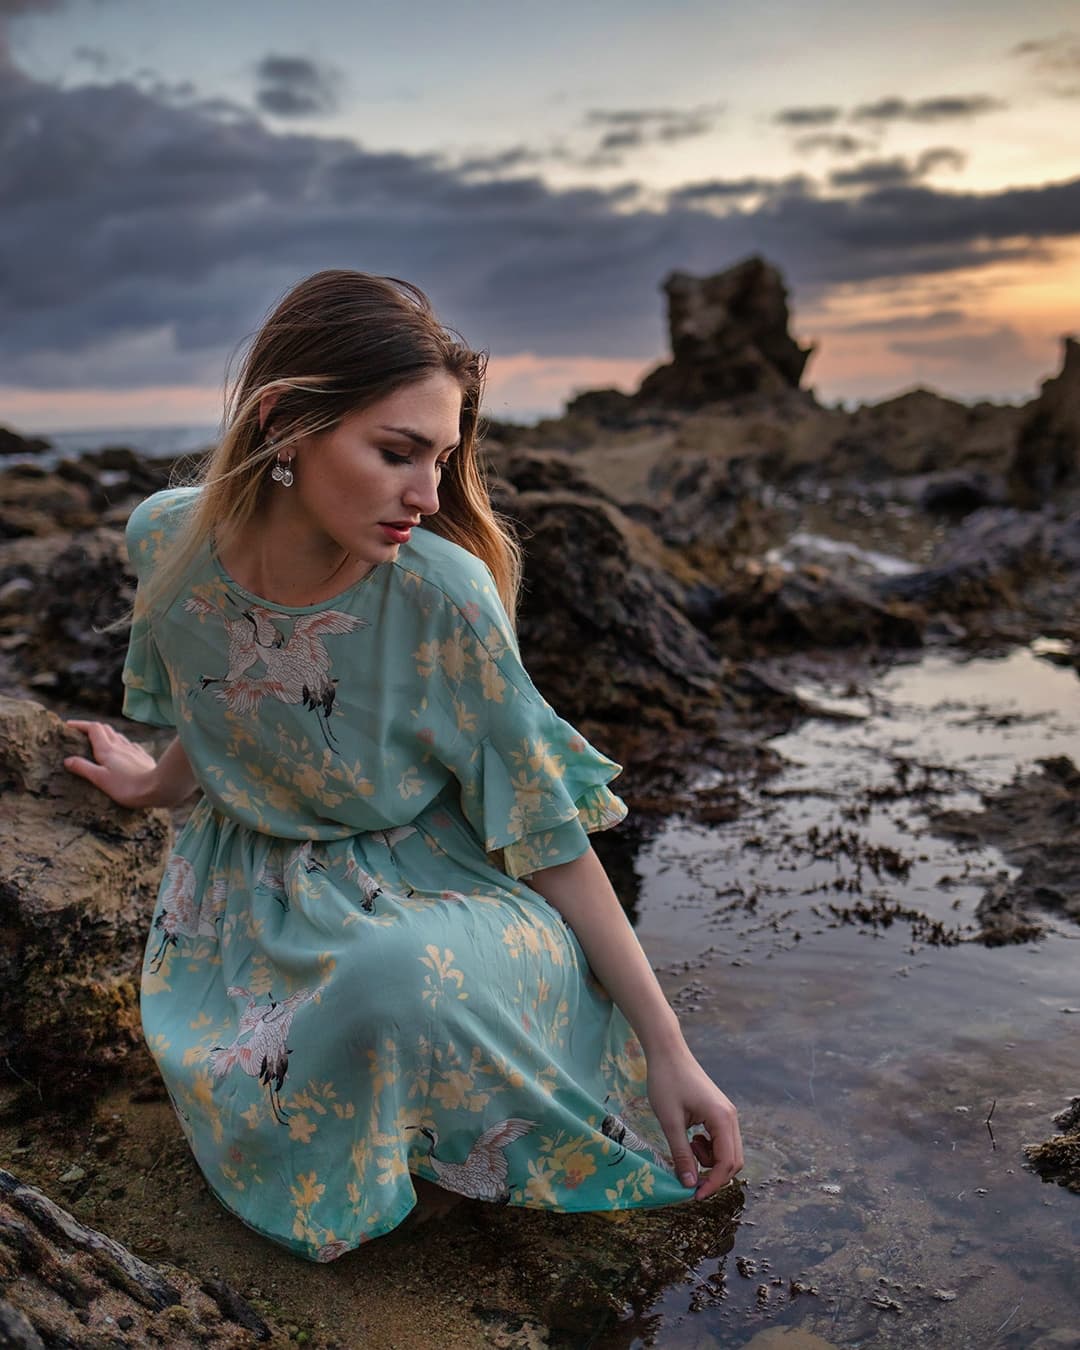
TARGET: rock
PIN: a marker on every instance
(729, 338)
(544, 471)
(11, 443)
(1033, 821)
(982, 563)
(1048, 449)
(33, 502)
(957, 494)
(922, 432)
(74, 1284)
(602, 628)
(770, 608)
(74, 594)
(586, 1270)
(78, 877)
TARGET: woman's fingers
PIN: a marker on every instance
(682, 1155)
(85, 768)
(724, 1146)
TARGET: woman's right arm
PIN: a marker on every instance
(126, 773)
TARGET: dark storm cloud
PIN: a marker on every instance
(504, 161)
(897, 171)
(942, 109)
(836, 143)
(806, 117)
(293, 86)
(717, 189)
(150, 236)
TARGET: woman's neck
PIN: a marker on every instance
(288, 566)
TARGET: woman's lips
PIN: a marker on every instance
(397, 534)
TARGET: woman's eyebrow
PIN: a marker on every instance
(418, 438)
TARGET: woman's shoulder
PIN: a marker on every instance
(160, 514)
(454, 577)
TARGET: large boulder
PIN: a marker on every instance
(78, 877)
(11, 443)
(58, 608)
(34, 502)
(729, 338)
(602, 626)
(1048, 449)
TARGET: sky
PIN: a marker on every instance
(168, 170)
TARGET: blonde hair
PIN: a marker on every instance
(336, 343)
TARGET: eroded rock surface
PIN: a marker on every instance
(78, 877)
(1047, 458)
(602, 628)
(729, 337)
(64, 1284)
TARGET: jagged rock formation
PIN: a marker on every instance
(1047, 455)
(729, 337)
(78, 877)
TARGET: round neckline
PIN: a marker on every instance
(233, 584)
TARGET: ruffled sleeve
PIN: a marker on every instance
(147, 686)
(531, 785)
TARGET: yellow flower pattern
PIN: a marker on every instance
(355, 984)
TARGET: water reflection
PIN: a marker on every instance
(865, 1062)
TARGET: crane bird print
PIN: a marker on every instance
(264, 1054)
(616, 1128)
(482, 1176)
(179, 915)
(295, 668)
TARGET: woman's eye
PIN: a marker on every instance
(391, 458)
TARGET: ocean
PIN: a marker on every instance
(153, 442)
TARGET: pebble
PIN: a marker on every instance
(72, 1175)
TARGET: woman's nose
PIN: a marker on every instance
(422, 493)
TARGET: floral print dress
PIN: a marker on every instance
(348, 980)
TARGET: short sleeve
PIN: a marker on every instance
(147, 687)
(531, 785)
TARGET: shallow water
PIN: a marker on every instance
(865, 1063)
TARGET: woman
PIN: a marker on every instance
(383, 948)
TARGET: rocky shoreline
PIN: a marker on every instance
(678, 540)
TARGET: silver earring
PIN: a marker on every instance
(282, 473)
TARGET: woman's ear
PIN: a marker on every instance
(266, 407)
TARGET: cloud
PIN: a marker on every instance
(716, 189)
(151, 235)
(937, 318)
(956, 108)
(897, 171)
(836, 143)
(1052, 59)
(1000, 346)
(293, 86)
(633, 128)
(807, 117)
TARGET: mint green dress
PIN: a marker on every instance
(347, 980)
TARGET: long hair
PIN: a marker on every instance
(336, 343)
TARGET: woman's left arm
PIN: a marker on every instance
(680, 1091)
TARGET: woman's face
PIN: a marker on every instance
(362, 486)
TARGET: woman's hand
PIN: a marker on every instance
(682, 1094)
(120, 768)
